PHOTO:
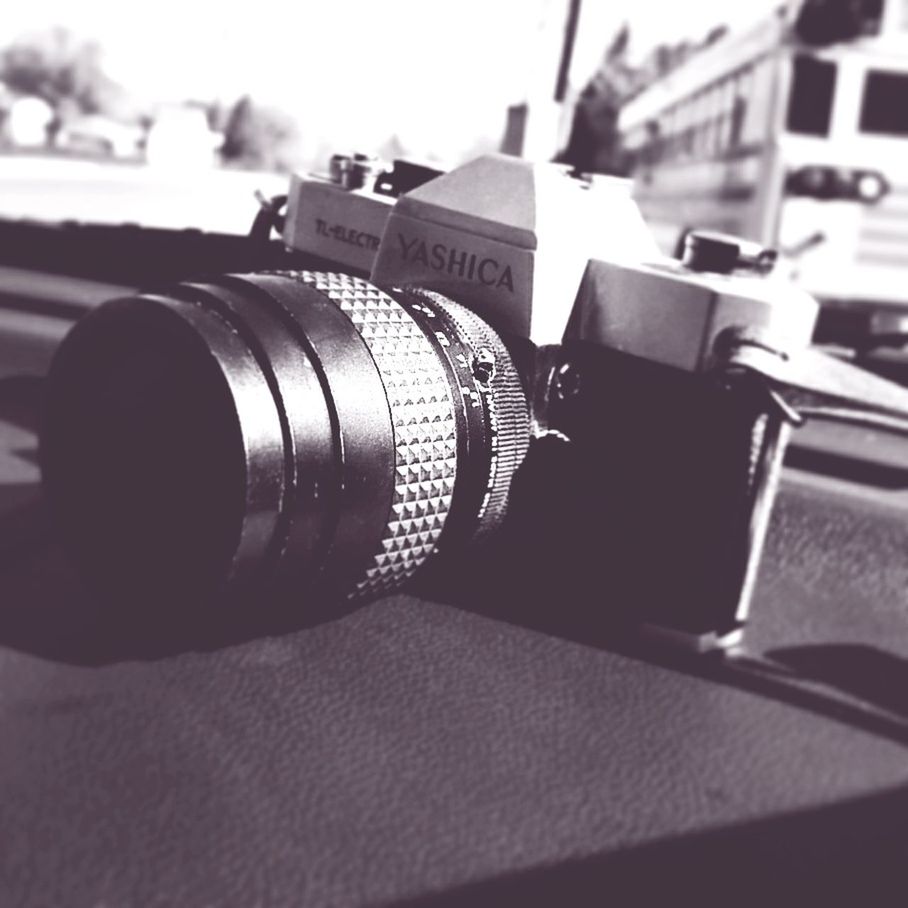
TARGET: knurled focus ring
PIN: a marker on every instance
(423, 419)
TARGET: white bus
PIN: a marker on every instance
(797, 144)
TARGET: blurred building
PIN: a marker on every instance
(95, 135)
(180, 137)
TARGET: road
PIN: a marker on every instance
(56, 189)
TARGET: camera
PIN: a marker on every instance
(340, 216)
(330, 435)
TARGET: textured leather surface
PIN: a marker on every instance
(415, 750)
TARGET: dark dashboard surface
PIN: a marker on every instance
(416, 750)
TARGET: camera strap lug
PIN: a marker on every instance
(782, 408)
(555, 380)
(269, 218)
(809, 383)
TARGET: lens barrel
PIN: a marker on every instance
(297, 428)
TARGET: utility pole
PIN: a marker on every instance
(536, 127)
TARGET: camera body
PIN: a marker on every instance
(686, 450)
(523, 392)
(663, 465)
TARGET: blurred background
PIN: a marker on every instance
(783, 121)
(97, 105)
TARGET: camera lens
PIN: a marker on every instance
(303, 428)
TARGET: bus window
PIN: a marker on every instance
(669, 131)
(716, 111)
(723, 123)
(740, 84)
(652, 146)
(685, 128)
(701, 142)
(759, 102)
(812, 90)
(737, 122)
(883, 108)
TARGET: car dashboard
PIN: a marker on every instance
(490, 747)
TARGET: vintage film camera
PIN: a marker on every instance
(331, 435)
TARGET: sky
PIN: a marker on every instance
(438, 73)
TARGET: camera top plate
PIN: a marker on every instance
(511, 239)
(668, 314)
(330, 221)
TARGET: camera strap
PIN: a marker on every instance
(809, 383)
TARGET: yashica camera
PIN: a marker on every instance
(330, 434)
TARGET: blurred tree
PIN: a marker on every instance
(594, 144)
(714, 34)
(60, 68)
(617, 50)
(259, 138)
